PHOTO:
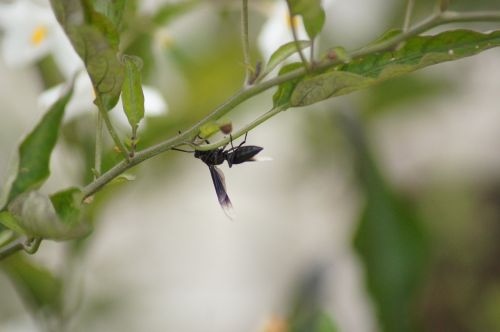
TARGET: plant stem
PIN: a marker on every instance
(104, 114)
(98, 146)
(244, 94)
(244, 41)
(11, 249)
(295, 36)
(409, 12)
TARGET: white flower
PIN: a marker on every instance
(30, 32)
(277, 31)
(83, 96)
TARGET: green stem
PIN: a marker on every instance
(244, 41)
(104, 114)
(98, 146)
(11, 249)
(409, 12)
(245, 94)
(296, 37)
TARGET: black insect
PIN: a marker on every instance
(233, 156)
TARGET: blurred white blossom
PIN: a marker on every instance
(30, 32)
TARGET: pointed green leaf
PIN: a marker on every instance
(10, 222)
(132, 95)
(312, 14)
(282, 53)
(57, 217)
(418, 52)
(39, 288)
(390, 239)
(36, 148)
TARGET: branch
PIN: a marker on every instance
(244, 94)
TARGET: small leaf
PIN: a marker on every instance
(39, 288)
(339, 53)
(132, 95)
(282, 53)
(57, 217)
(36, 148)
(209, 129)
(418, 52)
(281, 97)
(123, 178)
(312, 14)
(10, 222)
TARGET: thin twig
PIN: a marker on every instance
(98, 146)
(295, 35)
(409, 13)
(244, 41)
(109, 126)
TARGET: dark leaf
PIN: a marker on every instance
(390, 240)
(40, 289)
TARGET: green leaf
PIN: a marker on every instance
(312, 14)
(68, 204)
(39, 288)
(10, 222)
(56, 218)
(95, 39)
(282, 53)
(418, 52)
(390, 240)
(281, 97)
(36, 148)
(104, 69)
(124, 177)
(132, 95)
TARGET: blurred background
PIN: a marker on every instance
(379, 212)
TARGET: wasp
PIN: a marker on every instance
(233, 156)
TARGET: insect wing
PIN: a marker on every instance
(243, 154)
(220, 190)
